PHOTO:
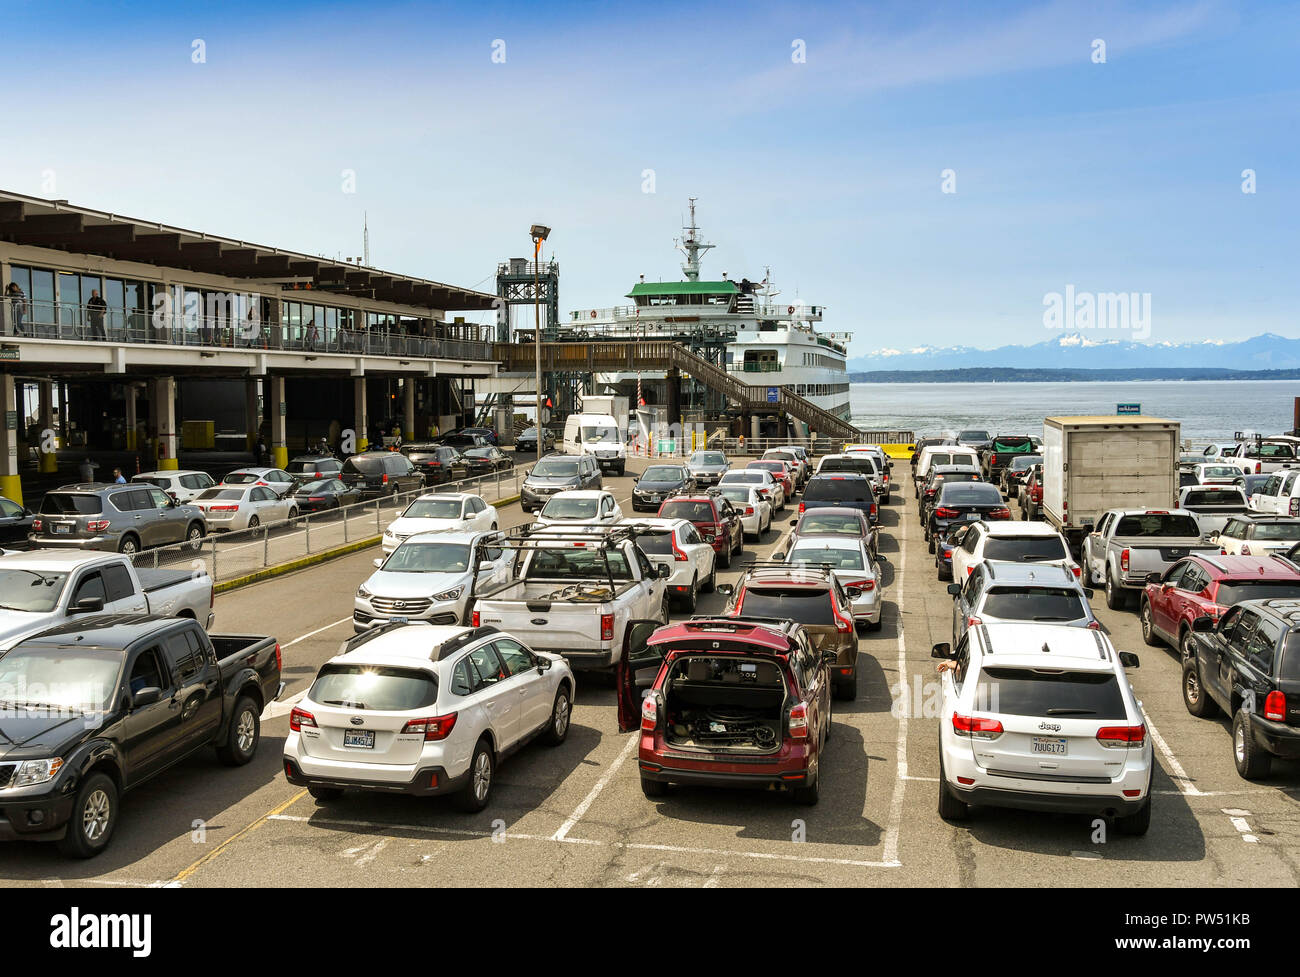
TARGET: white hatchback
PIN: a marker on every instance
(439, 512)
(678, 545)
(183, 486)
(422, 710)
(1041, 717)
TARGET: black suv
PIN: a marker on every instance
(308, 468)
(1248, 665)
(850, 490)
(376, 473)
(438, 463)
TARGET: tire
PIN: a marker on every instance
(875, 625)
(951, 808)
(711, 584)
(1148, 626)
(253, 522)
(293, 517)
(807, 796)
(1250, 759)
(664, 612)
(129, 545)
(693, 597)
(653, 788)
(929, 542)
(193, 535)
(1185, 645)
(848, 688)
(94, 816)
(1116, 600)
(557, 730)
(1137, 823)
(1195, 698)
(718, 556)
(325, 793)
(478, 791)
(243, 735)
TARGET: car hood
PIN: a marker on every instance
(25, 735)
(19, 624)
(387, 584)
(408, 527)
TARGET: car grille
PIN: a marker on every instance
(7, 773)
(405, 605)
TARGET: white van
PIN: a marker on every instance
(597, 435)
(942, 454)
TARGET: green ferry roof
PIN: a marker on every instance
(682, 288)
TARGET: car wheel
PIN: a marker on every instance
(692, 597)
(808, 795)
(847, 689)
(663, 612)
(951, 807)
(129, 545)
(1148, 627)
(325, 793)
(653, 788)
(243, 735)
(1138, 822)
(929, 542)
(478, 790)
(711, 584)
(94, 816)
(253, 522)
(1185, 645)
(1251, 760)
(557, 730)
(193, 535)
(1115, 598)
(1195, 698)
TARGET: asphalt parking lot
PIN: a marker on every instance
(576, 816)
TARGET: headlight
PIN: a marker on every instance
(449, 594)
(389, 535)
(363, 593)
(36, 772)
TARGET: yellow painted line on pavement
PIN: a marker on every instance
(278, 809)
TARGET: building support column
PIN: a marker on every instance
(753, 427)
(674, 400)
(132, 420)
(279, 422)
(408, 409)
(11, 486)
(252, 420)
(359, 421)
(49, 459)
(164, 406)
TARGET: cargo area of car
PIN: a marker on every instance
(725, 704)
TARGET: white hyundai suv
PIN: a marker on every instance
(421, 710)
(437, 512)
(1041, 717)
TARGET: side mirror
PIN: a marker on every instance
(943, 650)
(725, 589)
(28, 512)
(830, 657)
(146, 697)
(379, 562)
(1088, 592)
(1214, 536)
(778, 557)
(1128, 659)
(1203, 624)
(664, 571)
(87, 605)
(486, 565)
(1153, 578)
(543, 664)
(794, 520)
(954, 589)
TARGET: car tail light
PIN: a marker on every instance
(315, 498)
(36, 525)
(97, 525)
(1259, 468)
(863, 585)
(874, 510)
(801, 508)
(1122, 737)
(749, 510)
(1123, 560)
(607, 627)
(1275, 706)
(1077, 571)
(223, 508)
(1003, 513)
(993, 459)
(279, 659)
(384, 481)
(943, 512)
(434, 728)
(979, 727)
(474, 620)
(679, 554)
(1295, 507)
(649, 713)
(799, 721)
(299, 718)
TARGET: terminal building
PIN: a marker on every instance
(132, 335)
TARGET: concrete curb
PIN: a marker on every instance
(311, 560)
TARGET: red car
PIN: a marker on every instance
(780, 471)
(1206, 586)
(714, 516)
(730, 703)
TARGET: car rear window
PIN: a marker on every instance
(371, 687)
(364, 466)
(736, 495)
(1042, 692)
(1158, 524)
(656, 543)
(1011, 443)
(302, 467)
(1277, 530)
(837, 490)
(1016, 548)
(694, 511)
(241, 478)
(1215, 498)
(1290, 667)
(161, 483)
(969, 493)
(71, 504)
(863, 463)
(213, 493)
(835, 557)
(839, 523)
(807, 605)
(1235, 591)
(1034, 604)
(578, 563)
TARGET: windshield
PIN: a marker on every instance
(1235, 591)
(1021, 692)
(1157, 524)
(708, 458)
(556, 467)
(417, 556)
(570, 509)
(807, 605)
(207, 494)
(842, 524)
(373, 687)
(601, 432)
(1013, 548)
(75, 679)
(479, 453)
(837, 558)
(662, 473)
(577, 563)
(28, 590)
(1034, 604)
(837, 490)
(1277, 530)
(433, 509)
(67, 504)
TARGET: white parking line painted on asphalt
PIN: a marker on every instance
(590, 799)
(279, 708)
(312, 634)
(1175, 771)
(1238, 819)
(894, 825)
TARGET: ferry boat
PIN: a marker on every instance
(740, 325)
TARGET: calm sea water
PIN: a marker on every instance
(1209, 409)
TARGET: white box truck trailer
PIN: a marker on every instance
(1095, 463)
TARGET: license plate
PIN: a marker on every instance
(972, 516)
(1054, 745)
(62, 529)
(363, 739)
(654, 498)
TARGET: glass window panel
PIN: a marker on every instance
(69, 300)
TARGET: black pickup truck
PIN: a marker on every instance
(94, 708)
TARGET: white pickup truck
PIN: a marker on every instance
(42, 588)
(1258, 456)
(1128, 544)
(574, 593)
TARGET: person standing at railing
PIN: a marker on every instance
(17, 306)
(95, 309)
(312, 335)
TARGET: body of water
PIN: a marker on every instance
(1207, 409)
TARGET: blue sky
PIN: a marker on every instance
(1122, 176)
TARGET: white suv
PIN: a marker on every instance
(585, 507)
(1041, 717)
(1011, 542)
(438, 512)
(422, 710)
(678, 545)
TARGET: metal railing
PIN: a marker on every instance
(76, 323)
(227, 555)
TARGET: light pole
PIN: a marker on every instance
(539, 233)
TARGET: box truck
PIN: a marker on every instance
(1095, 463)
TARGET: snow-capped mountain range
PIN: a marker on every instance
(1082, 351)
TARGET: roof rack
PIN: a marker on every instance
(454, 645)
(392, 624)
(816, 568)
